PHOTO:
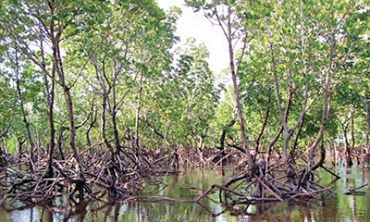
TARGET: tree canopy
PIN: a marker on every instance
(106, 71)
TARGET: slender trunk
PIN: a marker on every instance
(264, 124)
(288, 132)
(273, 141)
(352, 126)
(327, 89)
(326, 103)
(27, 124)
(223, 135)
(138, 114)
(55, 36)
(61, 132)
(50, 112)
(50, 94)
(347, 150)
(113, 112)
(61, 141)
(50, 98)
(117, 144)
(72, 130)
(280, 131)
(295, 144)
(229, 33)
(92, 123)
(103, 127)
(20, 147)
(283, 120)
(236, 89)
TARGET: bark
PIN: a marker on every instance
(117, 144)
(111, 104)
(228, 32)
(61, 139)
(50, 93)
(49, 86)
(137, 120)
(25, 121)
(113, 109)
(273, 141)
(326, 103)
(91, 125)
(327, 91)
(72, 130)
(50, 99)
(295, 143)
(103, 128)
(347, 150)
(288, 132)
(280, 131)
(352, 125)
(56, 32)
(223, 134)
(264, 124)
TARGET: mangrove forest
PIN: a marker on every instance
(101, 99)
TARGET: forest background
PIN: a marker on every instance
(82, 74)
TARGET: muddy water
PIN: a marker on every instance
(182, 187)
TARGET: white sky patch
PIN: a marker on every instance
(191, 24)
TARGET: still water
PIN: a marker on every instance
(187, 187)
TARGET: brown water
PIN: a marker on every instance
(339, 208)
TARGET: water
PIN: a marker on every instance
(182, 187)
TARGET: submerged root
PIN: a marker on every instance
(262, 185)
(102, 180)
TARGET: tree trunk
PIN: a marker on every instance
(72, 130)
(229, 37)
(55, 36)
(26, 123)
(274, 140)
(264, 124)
(223, 135)
(347, 150)
(61, 141)
(103, 128)
(92, 123)
(295, 143)
(113, 113)
(288, 132)
(50, 92)
(137, 115)
(326, 102)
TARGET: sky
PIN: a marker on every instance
(195, 25)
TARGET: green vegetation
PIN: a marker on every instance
(110, 61)
(107, 76)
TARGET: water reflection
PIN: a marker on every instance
(188, 186)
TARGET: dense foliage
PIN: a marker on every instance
(78, 73)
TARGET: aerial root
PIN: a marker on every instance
(261, 187)
(101, 180)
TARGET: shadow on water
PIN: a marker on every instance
(188, 186)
